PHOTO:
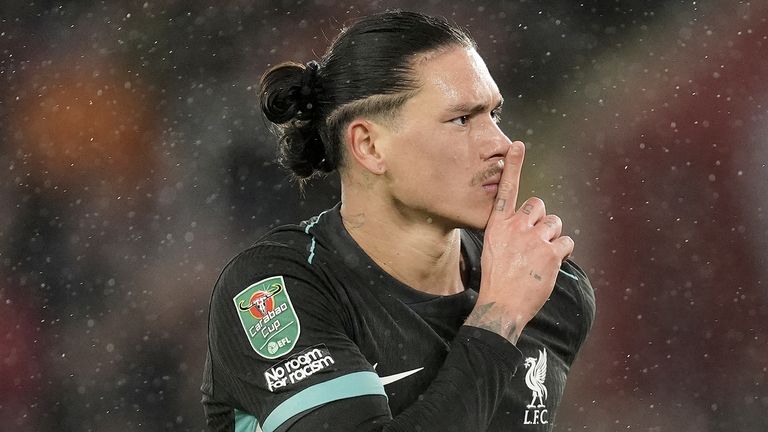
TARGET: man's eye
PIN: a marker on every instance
(461, 121)
(496, 115)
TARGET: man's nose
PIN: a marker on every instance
(492, 141)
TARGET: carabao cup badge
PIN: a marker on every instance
(268, 318)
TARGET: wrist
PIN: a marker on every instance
(493, 317)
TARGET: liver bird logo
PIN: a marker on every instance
(534, 378)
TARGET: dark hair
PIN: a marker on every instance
(367, 70)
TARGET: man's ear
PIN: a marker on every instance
(365, 144)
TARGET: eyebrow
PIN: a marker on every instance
(473, 109)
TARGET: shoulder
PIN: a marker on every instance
(270, 284)
(284, 251)
(289, 252)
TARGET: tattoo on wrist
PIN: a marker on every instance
(535, 275)
(480, 311)
(512, 334)
(478, 319)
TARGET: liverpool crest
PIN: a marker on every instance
(534, 379)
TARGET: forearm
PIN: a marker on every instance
(468, 388)
(463, 396)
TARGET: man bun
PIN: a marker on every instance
(290, 99)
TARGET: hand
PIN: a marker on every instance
(522, 253)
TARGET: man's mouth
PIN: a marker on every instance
(491, 187)
(489, 177)
(493, 180)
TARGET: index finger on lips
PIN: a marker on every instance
(506, 195)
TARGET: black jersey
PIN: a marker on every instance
(307, 333)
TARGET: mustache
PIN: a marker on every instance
(484, 175)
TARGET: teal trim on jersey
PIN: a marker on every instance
(343, 387)
(306, 230)
(568, 274)
(245, 422)
(311, 251)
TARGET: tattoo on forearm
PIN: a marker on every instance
(500, 204)
(535, 275)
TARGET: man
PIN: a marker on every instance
(388, 311)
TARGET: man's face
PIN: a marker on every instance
(443, 148)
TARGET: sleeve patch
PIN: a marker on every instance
(268, 318)
(298, 367)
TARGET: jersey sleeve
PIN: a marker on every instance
(577, 279)
(282, 358)
(464, 395)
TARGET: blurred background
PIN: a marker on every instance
(135, 163)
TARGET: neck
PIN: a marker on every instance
(408, 245)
